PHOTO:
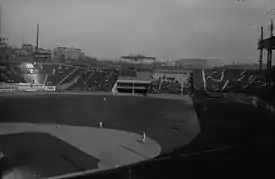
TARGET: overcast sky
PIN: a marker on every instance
(166, 29)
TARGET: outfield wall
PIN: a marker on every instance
(25, 87)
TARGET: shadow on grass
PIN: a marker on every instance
(44, 154)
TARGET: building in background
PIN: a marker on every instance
(18, 52)
(3, 42)
(43, 55)
(168, 64)
(197, 63)
(28, 48)
(68, 53)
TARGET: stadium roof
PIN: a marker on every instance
(141, 76)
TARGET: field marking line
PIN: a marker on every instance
(203, 78)
(133, 151)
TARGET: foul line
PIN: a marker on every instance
(127, 148)
(203, 78)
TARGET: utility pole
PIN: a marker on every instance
(269, 48)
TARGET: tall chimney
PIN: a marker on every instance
(0, 20)
(37, 36)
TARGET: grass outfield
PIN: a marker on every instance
(170, 122)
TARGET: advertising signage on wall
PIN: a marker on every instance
(50, 88)
(8, 87)
(30, 87)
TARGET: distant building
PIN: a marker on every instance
(28, 48)
(69, 53)
(3, 42)
(169, 64)
(43, 54)
(197, 63)
(20, 52)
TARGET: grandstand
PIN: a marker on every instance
(75, 78)
(171, 82)
(138, 83)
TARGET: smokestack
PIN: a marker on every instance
(37, 36)
(0, 20)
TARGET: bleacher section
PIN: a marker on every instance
(171, 82)
(74, 78)
(95, 80)
(223, 80)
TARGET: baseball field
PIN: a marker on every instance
(52, 134)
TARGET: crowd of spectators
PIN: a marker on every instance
(170, 85)
(96, 80)
(229, 81)
(9, 75)
(256, 84)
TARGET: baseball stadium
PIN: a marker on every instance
(61, 120)
(67, 115)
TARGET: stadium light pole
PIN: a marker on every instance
(270, 48)
(261, 51)
(271, 14)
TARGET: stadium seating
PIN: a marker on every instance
(222, 80)
(240, 81)
(93, 79)
(170, 84)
